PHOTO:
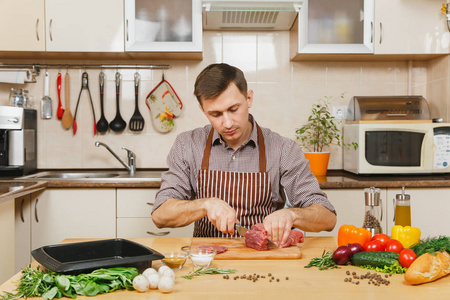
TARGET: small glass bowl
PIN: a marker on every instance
(174, 260)
(202, 258)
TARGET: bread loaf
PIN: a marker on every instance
(428, 267)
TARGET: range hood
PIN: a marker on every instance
(249, 14)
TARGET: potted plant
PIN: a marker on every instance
(317, 134)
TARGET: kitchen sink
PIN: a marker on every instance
(118, 176)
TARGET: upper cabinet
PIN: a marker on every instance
(23, 25)
(163, 26)
(410, 27)
(385, 27)
(344, 26)
(84, 25)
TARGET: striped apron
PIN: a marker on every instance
(249, 194)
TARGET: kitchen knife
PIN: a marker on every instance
(242, 230)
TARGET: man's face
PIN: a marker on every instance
(228, 114)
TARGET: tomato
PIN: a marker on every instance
(406, 257)
(393, 246)
(380, 237)
(373, 246)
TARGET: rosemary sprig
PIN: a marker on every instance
(324, 262)
(208, 271)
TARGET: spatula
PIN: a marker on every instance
(67, 118)
(137, 121)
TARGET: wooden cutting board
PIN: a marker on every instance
(238, 250)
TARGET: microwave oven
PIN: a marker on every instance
(397, 148)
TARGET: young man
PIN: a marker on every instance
(233, 171)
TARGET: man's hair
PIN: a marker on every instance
(215, 79)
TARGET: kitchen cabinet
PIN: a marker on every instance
(163, 26)
(22, 229)
(429, 210)
(333, 27)
(84, 26)
(134, 207)
(7, 240)
(350, 208)
(23, 25)
(410, 27)
(58, 214)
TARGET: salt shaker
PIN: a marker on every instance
(402, 209)
(373, 211)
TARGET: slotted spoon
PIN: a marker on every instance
(137, 121)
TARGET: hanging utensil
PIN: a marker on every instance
(137, 121)
(102, 124)
(46, 101)
(59, 110)
(118, 124)
(84, 85)
(67, 118)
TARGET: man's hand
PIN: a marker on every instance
(220, 214)
(278, 225)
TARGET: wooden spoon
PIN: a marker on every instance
(67, 118)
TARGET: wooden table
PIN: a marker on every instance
(302, 283)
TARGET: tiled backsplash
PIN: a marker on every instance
(284, 93)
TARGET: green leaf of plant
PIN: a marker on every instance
(62, 283)
(51, 293)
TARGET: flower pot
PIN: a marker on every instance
(318, 162)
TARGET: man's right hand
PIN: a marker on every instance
(220, 214)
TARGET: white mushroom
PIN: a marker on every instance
(149, 271)
(140, 283)
(153, 279)
(169, 273)
(162, 269)
(166, 284)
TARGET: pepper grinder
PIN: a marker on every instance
(402, 209)
(373, 212)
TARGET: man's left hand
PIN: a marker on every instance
(278, 225)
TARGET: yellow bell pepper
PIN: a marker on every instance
(407, 235)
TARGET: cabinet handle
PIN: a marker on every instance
(149, 203)
(50, 30)
(35, 210)
(37, 29)
(127, 29)
(371, 32)
(21, 210)
(381, 32)
(158, 233)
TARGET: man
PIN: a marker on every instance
(233, 171)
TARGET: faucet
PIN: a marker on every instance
(131, 166)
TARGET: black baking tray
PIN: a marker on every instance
(85, 257)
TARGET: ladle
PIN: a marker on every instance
(118, 124)
(102, 124)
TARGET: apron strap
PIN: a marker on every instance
(261, 145)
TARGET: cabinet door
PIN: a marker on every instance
(58, 214)
(350, 208)
(163, 26)
(336, 26)
(134, 208)
(429, 210)
(23, 25)
(410, 27)
(22, 232)
(84, 25)
(7, 240)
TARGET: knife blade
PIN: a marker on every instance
(242, 230)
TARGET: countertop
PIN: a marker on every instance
(304, 283)
(11, 189)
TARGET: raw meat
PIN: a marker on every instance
(219, 249)
(256, 238)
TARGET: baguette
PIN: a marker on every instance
(428, 267)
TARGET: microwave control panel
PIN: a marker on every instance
(442, 143)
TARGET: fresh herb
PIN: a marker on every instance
(431, 245)
(37, 283)
(395, 268)
(208, 271)
(324, 262)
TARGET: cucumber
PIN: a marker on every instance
(375, 258)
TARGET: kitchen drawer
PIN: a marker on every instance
(135, 203)
(144, 227)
